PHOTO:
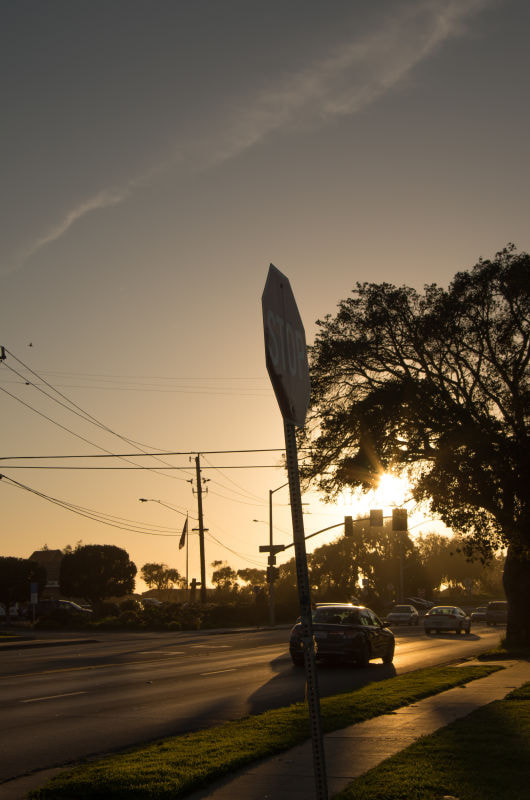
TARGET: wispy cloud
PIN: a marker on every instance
(103, 199)
(350, 78)
(356, 74)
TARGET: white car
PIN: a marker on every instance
(403, 615)
(447, 618)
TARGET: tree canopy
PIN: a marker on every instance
(96, 572)
(16, 577)
(160, 576)
(436, 382)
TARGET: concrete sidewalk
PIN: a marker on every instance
(358, 748)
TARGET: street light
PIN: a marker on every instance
(272, 556)
(178, 511)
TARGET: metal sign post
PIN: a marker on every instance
(286, 356)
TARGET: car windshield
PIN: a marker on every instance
(336, 616)
(443, 610)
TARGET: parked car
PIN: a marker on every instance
(346, 632)
(403, 615)
(497, 612)
(447, 618)
(47, 607)
(420, 603)
(479, 615)
(14, 611)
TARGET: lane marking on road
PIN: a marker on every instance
(211, 646)
(218, 671)
(51, 697)
(161, 653)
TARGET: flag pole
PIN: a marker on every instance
(187, 540)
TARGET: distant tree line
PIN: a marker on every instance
(367, 567)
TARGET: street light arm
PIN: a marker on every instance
(166, 505)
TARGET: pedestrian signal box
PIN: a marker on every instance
(376, 518)
(348, 526)
(399, 519)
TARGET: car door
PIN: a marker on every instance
(374, 630)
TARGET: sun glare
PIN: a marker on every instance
(392, 491)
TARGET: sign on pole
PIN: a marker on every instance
(285, 348)
(286, 357)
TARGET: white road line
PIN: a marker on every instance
(161, 652)
(51, 697)
(218, 671)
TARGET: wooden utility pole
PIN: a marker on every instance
(201, 527)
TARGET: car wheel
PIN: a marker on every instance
(389, 655)
(363, 657)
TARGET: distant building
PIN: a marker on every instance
(51, 561)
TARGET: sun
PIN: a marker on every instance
(392, 490)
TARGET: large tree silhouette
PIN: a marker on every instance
(96, 572)
(438, 382)
(16, 577)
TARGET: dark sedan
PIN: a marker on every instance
(347, 632)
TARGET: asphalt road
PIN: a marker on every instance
(63, 703)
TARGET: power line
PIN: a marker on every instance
(252, 387)
(72, 407)
(158, 471)
(108, 454)
(243, 492)
(96, 516)
(234, 552)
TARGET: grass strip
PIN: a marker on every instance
(483, 756)
(174, 767)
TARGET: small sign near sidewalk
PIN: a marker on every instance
(288, 368)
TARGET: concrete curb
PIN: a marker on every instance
(27, 645)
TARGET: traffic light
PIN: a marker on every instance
(376, 518)
(273, 573)
(348, 526)
(399, 519)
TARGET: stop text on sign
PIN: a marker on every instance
(286, 346)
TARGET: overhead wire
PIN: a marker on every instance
(78, 436)
(111, 520)
(104, 519)
(139, 467)
(257, 387)
(234, 552)
(243, 492)
(74, 408)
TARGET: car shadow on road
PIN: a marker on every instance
(288, 684)
(451, 635)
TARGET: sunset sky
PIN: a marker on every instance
(156, 157)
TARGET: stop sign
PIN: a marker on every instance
(285, 348)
